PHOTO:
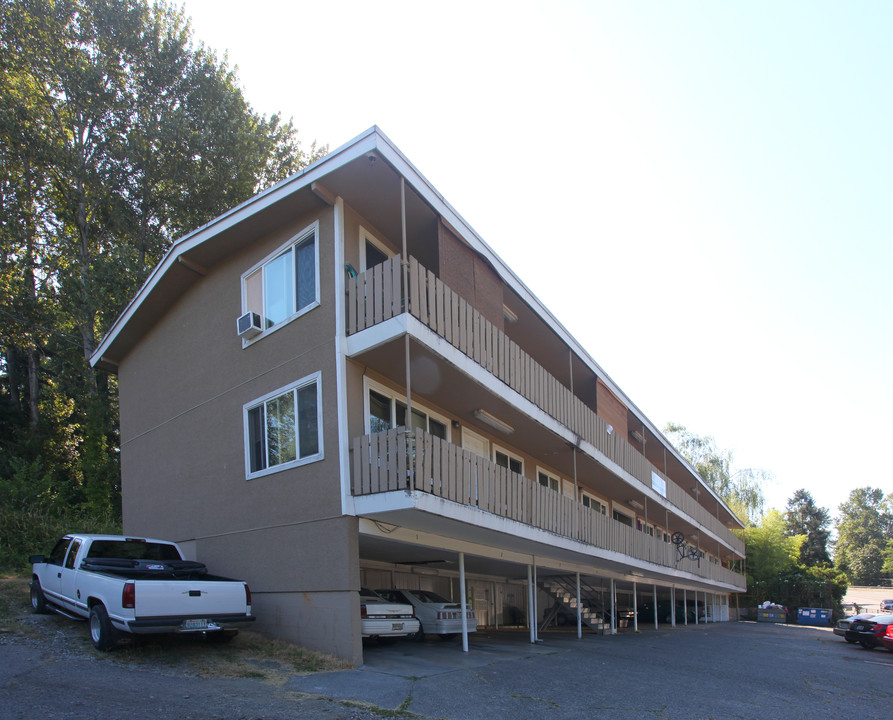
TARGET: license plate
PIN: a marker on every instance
(195, 624)
(396, 626)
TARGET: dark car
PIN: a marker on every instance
(868, 633)
(886, 606)
(844, 625)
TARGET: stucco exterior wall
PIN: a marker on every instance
(183, 390)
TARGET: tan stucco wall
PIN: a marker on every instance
(182, 392)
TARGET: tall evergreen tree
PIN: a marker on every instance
(864, 527)
(117, 135)
(804, 517)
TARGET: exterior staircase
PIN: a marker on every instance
(563, 589)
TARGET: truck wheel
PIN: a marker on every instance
(102, 632)
(38, 600)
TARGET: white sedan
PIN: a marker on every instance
(436, 614)
(381, 618)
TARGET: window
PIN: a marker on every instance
(622, 518)
(286, 284)
(547, 480)
(284, 429)
(386, 412)
(72, 553)
(505, 459)
(372, 251)
(57, 554)
(595, 504)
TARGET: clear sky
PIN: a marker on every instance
(730, 163)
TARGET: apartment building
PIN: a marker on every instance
(338, 383)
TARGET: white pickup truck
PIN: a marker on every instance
(127, 585)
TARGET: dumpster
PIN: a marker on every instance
(773, 615)
(814, 616)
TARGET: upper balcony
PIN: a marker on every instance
(392, 288)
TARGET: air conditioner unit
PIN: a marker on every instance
(249, 325)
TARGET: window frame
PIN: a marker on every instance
(366, 236)
(294, 241)
(494, 448)
(392, 395)
(294, 388)
(603, 504)
(551, 476)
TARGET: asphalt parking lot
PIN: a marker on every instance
(723, 670)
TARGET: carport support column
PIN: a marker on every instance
(635, 609)
(464, 603)
(685, 605)
(613, 609)
(655, 606)
(673, 607)
(531, 618)
(579, 611)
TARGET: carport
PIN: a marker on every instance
(507, 584)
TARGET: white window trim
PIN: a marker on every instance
(604, 503)
(551, 476)
(312, 229)
(494, 448)
(366, 235)
(307, 380)
(394, 395)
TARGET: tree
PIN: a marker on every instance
(864, 527)
(804, 517)
(771, 552)
(117, 135)
(741, 490)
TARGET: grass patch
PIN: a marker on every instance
(249, 655)
(14, 602)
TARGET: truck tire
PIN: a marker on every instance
(38, 600)
(102, 632)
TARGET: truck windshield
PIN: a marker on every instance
(133, 550)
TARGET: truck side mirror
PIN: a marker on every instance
(34, 559)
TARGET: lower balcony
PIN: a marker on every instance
(393, 460)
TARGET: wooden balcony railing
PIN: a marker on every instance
(378, 295)
(394, 460)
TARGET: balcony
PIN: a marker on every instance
(396, 461)
(380, 294)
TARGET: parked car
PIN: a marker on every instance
(844, 625)
(886, 606)
(381, 618)
(436, 614)
(868, 633)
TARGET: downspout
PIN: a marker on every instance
(406, 309)
(347, 504)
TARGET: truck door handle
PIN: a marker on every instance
(58, 574)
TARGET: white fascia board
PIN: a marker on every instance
(361, 144)
(401, 500)
(430, 194)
